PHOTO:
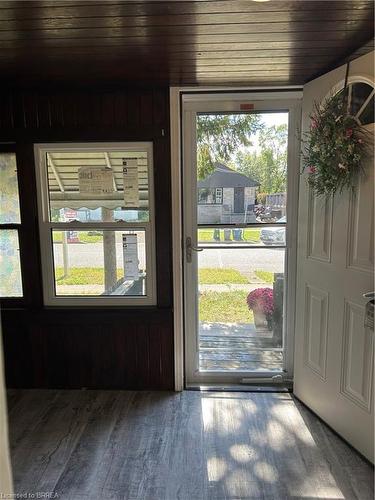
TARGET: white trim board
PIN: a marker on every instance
(177, 255)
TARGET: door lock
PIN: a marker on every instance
(190, 248)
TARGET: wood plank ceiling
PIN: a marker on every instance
(210, 42)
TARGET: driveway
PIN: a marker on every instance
(91, 254)
(246, 260)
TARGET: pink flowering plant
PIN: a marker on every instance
(334, 147)
(261, 300)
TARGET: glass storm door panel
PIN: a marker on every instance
(235, 224)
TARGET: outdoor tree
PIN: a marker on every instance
(268, 163)
(220, 136)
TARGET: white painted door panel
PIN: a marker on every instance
(334, 352)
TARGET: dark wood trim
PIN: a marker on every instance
(7, 147)
(29, 241)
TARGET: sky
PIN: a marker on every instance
(275, 118)
(269, 119)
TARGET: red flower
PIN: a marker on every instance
(348, 133)
(311, 169)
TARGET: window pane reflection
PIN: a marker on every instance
(10, 266)
(9, 197)
(98, 186)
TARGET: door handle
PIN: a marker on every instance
(190, 248)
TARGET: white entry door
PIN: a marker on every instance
(335, 267)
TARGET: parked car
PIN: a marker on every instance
(273, 235)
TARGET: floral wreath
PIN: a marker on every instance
(334, 146)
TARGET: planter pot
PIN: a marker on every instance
(269, 322)
(260, 319)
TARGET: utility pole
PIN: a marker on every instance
(109, 250)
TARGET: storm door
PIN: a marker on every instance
(238, 166)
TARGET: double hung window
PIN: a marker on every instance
(96, 217)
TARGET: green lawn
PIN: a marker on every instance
(95, 276)
(83, 276)
(217, 276)
(84, 237)
(249, 235)
(224, 307)
(206, 276)
(265, 276)
(204, 235)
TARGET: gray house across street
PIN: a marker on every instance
(226, 196)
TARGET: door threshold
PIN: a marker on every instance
(284, 387)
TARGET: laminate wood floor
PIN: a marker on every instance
(178, 446)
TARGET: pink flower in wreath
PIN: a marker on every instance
(311, 169)
(314, 123)
(348, 133)
(360, 141)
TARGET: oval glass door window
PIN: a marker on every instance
(361, 102)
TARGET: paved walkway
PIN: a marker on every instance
(230, 287)
(79, 289)
(99, 289)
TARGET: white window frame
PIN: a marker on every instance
(46, 226)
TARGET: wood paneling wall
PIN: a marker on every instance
(215, 42)
(98, 347)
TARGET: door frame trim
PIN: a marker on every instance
(177, 246)
(177, 227)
